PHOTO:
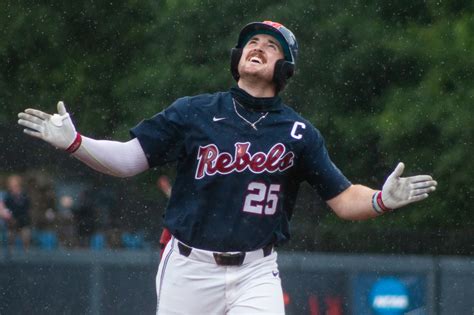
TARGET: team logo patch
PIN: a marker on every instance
(211, 161)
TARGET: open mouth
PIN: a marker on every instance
(257, 59)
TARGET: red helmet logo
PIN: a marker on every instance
(274, 24)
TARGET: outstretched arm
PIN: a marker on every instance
(359, 202)
(121, 159)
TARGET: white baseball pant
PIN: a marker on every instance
(197, 285)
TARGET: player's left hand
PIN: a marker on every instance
(400, 191)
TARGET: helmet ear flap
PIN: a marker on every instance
(235, 55)
(283, 71)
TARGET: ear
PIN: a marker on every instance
(283, 71)
(235, 55)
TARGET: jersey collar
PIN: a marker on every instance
(257, 104)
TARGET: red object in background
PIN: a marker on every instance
(164, 239)
(163, 183)
(313, 304)
(333, 305)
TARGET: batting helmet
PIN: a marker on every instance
(284, 68)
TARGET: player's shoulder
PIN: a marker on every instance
(187, 108)
(296, 118)
(201, 100)
(290, 113)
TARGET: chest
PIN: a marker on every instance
(228, 143)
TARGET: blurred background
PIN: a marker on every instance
(384, 81)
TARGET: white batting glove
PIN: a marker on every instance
(400, 191)
(56, 129)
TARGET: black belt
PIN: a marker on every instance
(225, 259)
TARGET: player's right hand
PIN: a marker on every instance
(56, 129)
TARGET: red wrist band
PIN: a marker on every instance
(75, 144)
(381, 204)
(375, 205)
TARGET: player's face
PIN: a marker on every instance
(259, 57)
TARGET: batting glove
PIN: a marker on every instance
(56, 129)
(400, 191)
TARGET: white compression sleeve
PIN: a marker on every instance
(121, 159)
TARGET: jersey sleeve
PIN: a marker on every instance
(318, 169)
(162, 136)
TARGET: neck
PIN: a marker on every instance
(256, 104)
(257, 89)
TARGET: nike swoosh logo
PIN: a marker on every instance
(218, 118)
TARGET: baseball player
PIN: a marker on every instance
(241, 156)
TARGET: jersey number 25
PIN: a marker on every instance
(261, 199)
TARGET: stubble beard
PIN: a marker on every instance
(255, 77)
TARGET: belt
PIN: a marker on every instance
(221, 258)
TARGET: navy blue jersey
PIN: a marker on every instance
(236, 184)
